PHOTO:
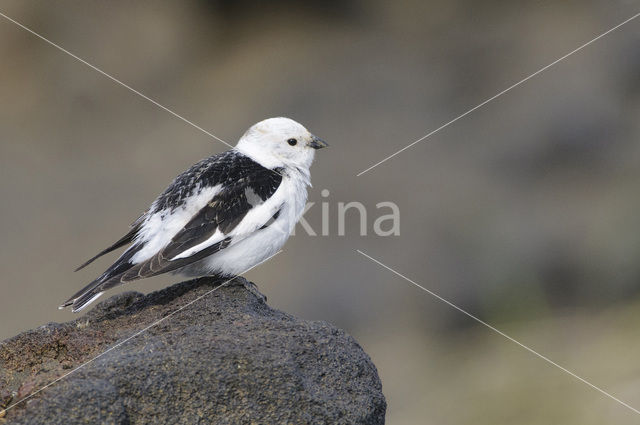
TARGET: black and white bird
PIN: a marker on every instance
(222, 216)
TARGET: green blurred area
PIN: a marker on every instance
(524, 213)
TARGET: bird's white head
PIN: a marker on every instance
(280, 142)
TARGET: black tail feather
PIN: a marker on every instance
(84, 294)
(85, 299)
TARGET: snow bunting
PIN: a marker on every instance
(222, 216)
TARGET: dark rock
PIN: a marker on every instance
(225, 357)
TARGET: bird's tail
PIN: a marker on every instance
(84, 297)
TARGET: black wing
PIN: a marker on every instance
(246, 184)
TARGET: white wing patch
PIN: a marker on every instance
(215, 238)
(259, 215)
(252, 197)
(159, 228)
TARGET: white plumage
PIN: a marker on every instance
(221, 217)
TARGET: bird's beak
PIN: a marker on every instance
(317, 143)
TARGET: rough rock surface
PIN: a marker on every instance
(226, 358)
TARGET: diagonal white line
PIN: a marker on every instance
(532, 351)
(114, 79)
(131, 337)
(499, 94)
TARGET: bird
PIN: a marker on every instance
(222, 216)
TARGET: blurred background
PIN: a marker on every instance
(524, 213)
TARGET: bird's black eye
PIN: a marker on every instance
(292, 142)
